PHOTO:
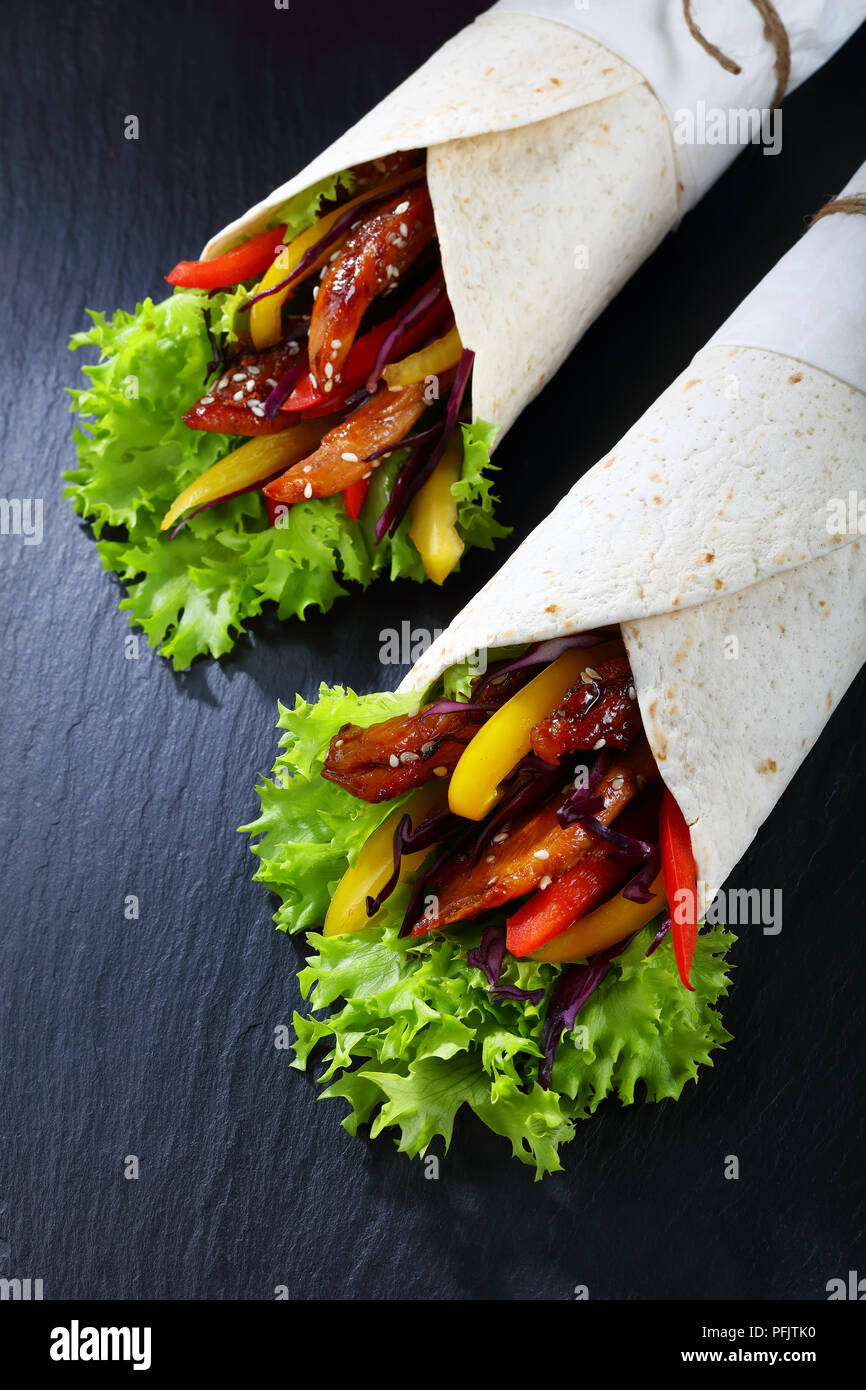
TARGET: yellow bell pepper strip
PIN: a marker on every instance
(266, 314)
(438, 356)
(364, 878)
(615, 920)
(505, 738)
(678, 868)
(252, 463)
(434, 515)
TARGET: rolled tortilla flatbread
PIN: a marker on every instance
(551, 162)
(718, 532)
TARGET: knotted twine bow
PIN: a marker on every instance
(774, 30)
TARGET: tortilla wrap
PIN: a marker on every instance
(711, 533)
(552, 171)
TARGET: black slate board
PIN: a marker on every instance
(154, 1037)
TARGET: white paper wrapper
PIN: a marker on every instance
(811, 305)
(653, 36)
(709, 533)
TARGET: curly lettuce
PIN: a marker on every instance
(408, 1030)
(192, 595)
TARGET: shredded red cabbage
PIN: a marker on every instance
(660, 935)
(409, 841)
(638, 890)
(392, 341)
(335, 233)
(283, 389)
(423, 459)
(571, 992)
(542, 653)
(420, 438)
(489, 957)
(530, 781)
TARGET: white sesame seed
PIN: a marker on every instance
(206, 400)
(200, 410)
(632, 693)
(254, 371)
(329, 370)
(501, 837)
(349, 458)
(428, 747)
(546, 881)
(592, 673)
(491, 858)
(294, 349)
(269, 381)
(366, 475)
(308, 490)
(256, 407)
(238, 396)
(541, 854)
(339, 743)
(408, 757)
(315, 290)
(329, 385)
(223, 383)
(307, 468)
(336, 342)
(401, 208)
(238, 376)
(393, 761)
(599, 743)
(251, 385)
(404, 230)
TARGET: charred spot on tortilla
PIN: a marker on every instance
(797, 376)
(767, 765)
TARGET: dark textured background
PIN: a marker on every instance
(155, 1037)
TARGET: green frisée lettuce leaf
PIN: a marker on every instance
(191, 595)
(298, 212)
(407, 1030)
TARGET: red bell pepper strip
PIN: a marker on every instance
(678, 871)
(245, 262)
(353, 497)
(552, 910)
(362, 358)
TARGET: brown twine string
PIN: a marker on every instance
(774, 30)
(855, 202)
